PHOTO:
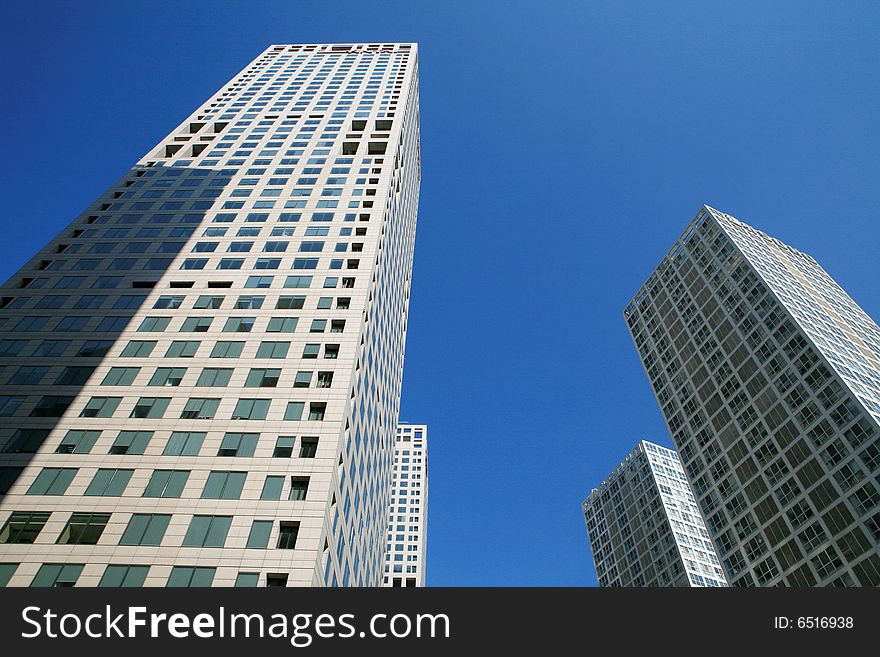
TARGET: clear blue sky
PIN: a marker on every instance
(565, 145)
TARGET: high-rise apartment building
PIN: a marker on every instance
(408, 508)
(200, 376)
(768, 377)
(645, 528)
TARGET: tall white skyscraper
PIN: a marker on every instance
(768, 377)
(405, 553)
(200, 376)
(645, 528)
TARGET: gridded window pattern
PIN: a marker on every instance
(644, 526)
(766, 373)
(407, 529)
(177, 314)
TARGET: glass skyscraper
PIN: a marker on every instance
(645, 528)
(200, 376)
(768, 376)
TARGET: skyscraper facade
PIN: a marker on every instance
(200, 376)
(645, 528)
(768, 376)
(405, 553)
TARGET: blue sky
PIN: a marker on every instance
(565, 145)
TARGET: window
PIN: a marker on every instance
(150, 407)
(251, 409)
(298, 281)
(247, 580)
(249, 302)
(120, 376)
(287, 535)
(168, 302)
(239, 325)
(145, 529)
(283, 447)
(290, 302)
(51, 406)
(109, 482)
(56, 575)
(27, 376)
(294, 411)
(208, 301)
(281, 325)
(167, 376)
(74, 376)
(207, 531)
(200, 408)
(166, 483)
(273, 350)
(182, 349)
(262, 378)
(325, 379)
(149, 324)
(116, 576)
(311, 351)
(7, 570)
(258, 538)
(259, 282)
(184, 443)
(299, 486)
(276, 580)
(52, 481)
(214, 377)
(100, 407)
(23, 527)
(77, 442)
(84, 529)
(223, 485)
(190, 577)
(302, 379)
(196, 324)
(272, 487)
(90, 348)
(308, 448)
(224, 349)
(318, 326)
(131, 442)
(138, 348)
(238, 444)
(317, 410)
(26, 441)
(9, 404)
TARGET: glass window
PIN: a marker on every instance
(223, 485)
(207, 531)
(109, 482)
(77, 442)
(131, 442)
(116, 576)
(166, 483)
(184, 443)
(191, 576)
(56, 575)
(258, 538)
(145, 529)
(52, 481)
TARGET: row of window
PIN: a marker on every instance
(196, 408)
(146, 529)
(220, 484)
(179, 443)
(210, 377)
(177, 348)
(54, 575)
